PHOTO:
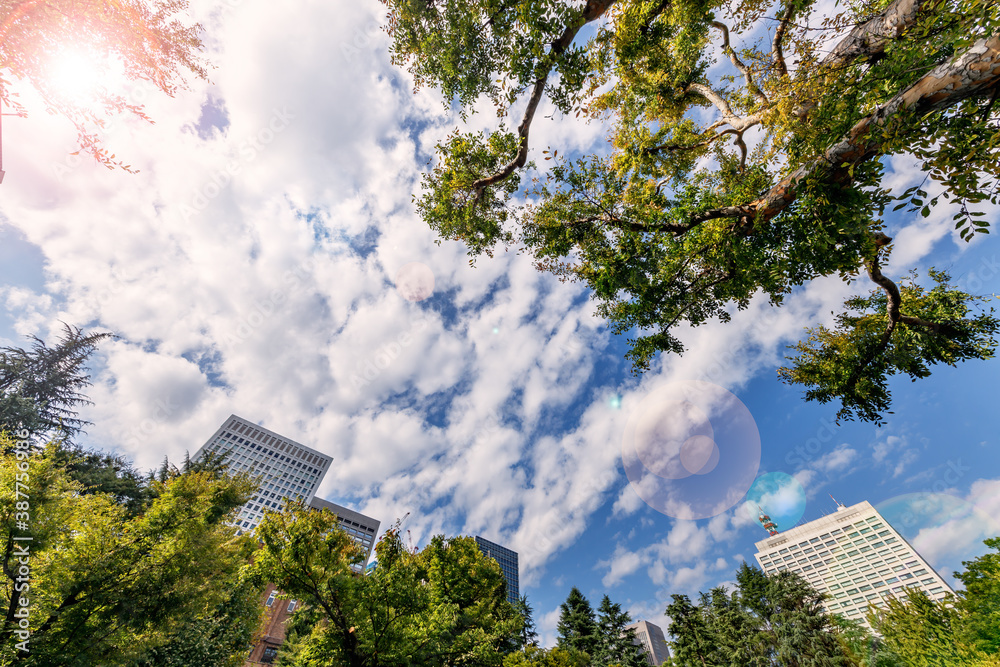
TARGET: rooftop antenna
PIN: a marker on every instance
(765, 520)
(840, 506)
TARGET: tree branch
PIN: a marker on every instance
(740, 65)
(869, 39)
(591, 12)
(779, 34)
(974, 72)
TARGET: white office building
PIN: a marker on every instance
(287, 469)
(854, 556)
(650, 637)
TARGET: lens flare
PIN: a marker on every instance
(691, 450)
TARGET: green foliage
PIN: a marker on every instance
(557, 656)
(41, 388)
(766, 620)
(107, 587)
(220, 638)
(862, 646)
(148, 39)
(444, 605)
(577, 624)
(923, 632)
(981, 599)
(616, 645)
(684, 219)
(528, 635)
(854, 361)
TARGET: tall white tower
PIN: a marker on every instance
(855, 557)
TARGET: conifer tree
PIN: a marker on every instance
(616, 645)
(577, 624)
(42, 387)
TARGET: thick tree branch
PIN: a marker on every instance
(591, 12)
(870, 39)
(740, 65)
(975, 72)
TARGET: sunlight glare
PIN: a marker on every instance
(77, 77)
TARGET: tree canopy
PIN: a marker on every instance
(112, 587)
(723, 183)
(766, 620)
(443, 605)
(147, 40)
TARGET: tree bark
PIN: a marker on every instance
(975, 72)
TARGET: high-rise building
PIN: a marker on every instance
(650, 638)
(287, 469)
(854, 556)
(508, 563)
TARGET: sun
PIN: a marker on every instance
(79, 77)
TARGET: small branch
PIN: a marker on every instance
(591, 12)
(740, 65)
(776, 52)
(677, 147)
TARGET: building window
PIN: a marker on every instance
(291, 606)
(269, 654)
(270, 598)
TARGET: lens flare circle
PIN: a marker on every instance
(780, 495)
(415, 281)
(691, 450)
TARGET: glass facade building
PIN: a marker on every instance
(855, 557)
(508, 563)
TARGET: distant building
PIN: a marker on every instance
(287, 468)
(362, 529)
(508, 563)
(650, 637)
(855, 557)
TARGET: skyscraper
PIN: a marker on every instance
(287, 468)
(650, 637)
(508, 563)
(852, 555)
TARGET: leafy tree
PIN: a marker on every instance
(616, 645)
(106, 587)
(765, 621)
(981, 599)
(41, 388)
(221, 638)
(148, 39)
(577, 624)
(923, 632)
(694, 641)
(109, 474)
(533, 656)
(443, 605)
(862, 647)
(721, 184)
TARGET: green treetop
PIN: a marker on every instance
(723, 183)
(577, 624)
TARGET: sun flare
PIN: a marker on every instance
(79, 77)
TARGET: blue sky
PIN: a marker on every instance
(266, 261)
